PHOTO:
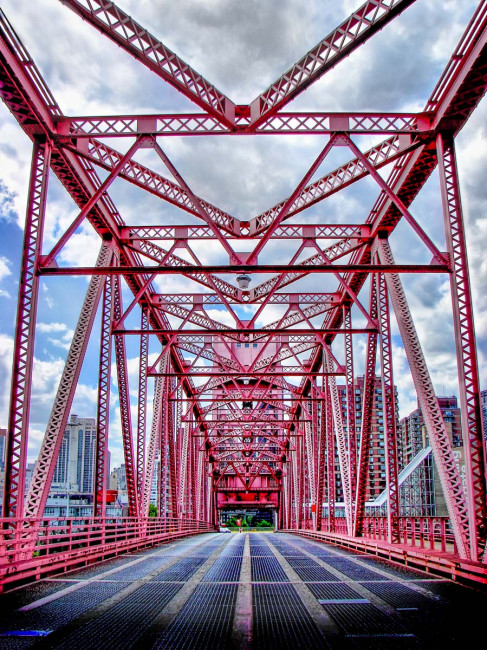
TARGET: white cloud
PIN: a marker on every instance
(46, 297)
(5, 272)
(4, 268)
(64, 342)
(6, 352)
(51, 327)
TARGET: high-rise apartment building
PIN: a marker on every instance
(118, 479)
(412, 434)
(3, 448)
(483, 406)
(421, 492)
(75, 466)
(377, 457)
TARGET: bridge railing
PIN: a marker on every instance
(32, 548)
(432, 533)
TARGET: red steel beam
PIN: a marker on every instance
(188, 232)
(282, 123)
(463, 322)
(124, 396)
(18, 424)
(355, 30)
(247, 335)
(389, 409)
(142, 404)
(367, 413)
(110, 20)
(103, 402)
(243, 268)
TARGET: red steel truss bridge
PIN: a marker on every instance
(252, 372)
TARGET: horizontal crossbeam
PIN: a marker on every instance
(248, 335)
(188, 124)
(262, 268)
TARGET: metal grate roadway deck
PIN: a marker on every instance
(61, 611)
(224, 569)
(205, 621)
(267, 569)
(365, 620)
(124, 623)
(180, 571)
(281, 619)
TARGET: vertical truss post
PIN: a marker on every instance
(214, 519)
(124, 395)
(282, 496)
(142, 406)
(194, 472)
(200, 477)
(164, 453)
(205, 486)
(20, 396)
(301, 480)
(305, 482)
(341, 442)
(294, 492)
(319, 458)
(284, 501)
(292, 489)
(330, 456)
(290, 505)
(103, 406)
(184, 466)
(473, 442)
(367, 410)
(154, 441)
(389, 406)
(289, 492)
(315, 429)
(51, 444)
(321, 464)
(428, 402)
(310, 478)
(174, 424)
(209, 494)
(350, 396)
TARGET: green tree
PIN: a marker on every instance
(152, 510)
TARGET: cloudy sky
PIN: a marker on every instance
(241, 47)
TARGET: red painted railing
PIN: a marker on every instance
(33, 548)
(421, 532)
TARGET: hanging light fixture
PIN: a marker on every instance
(243, 281)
